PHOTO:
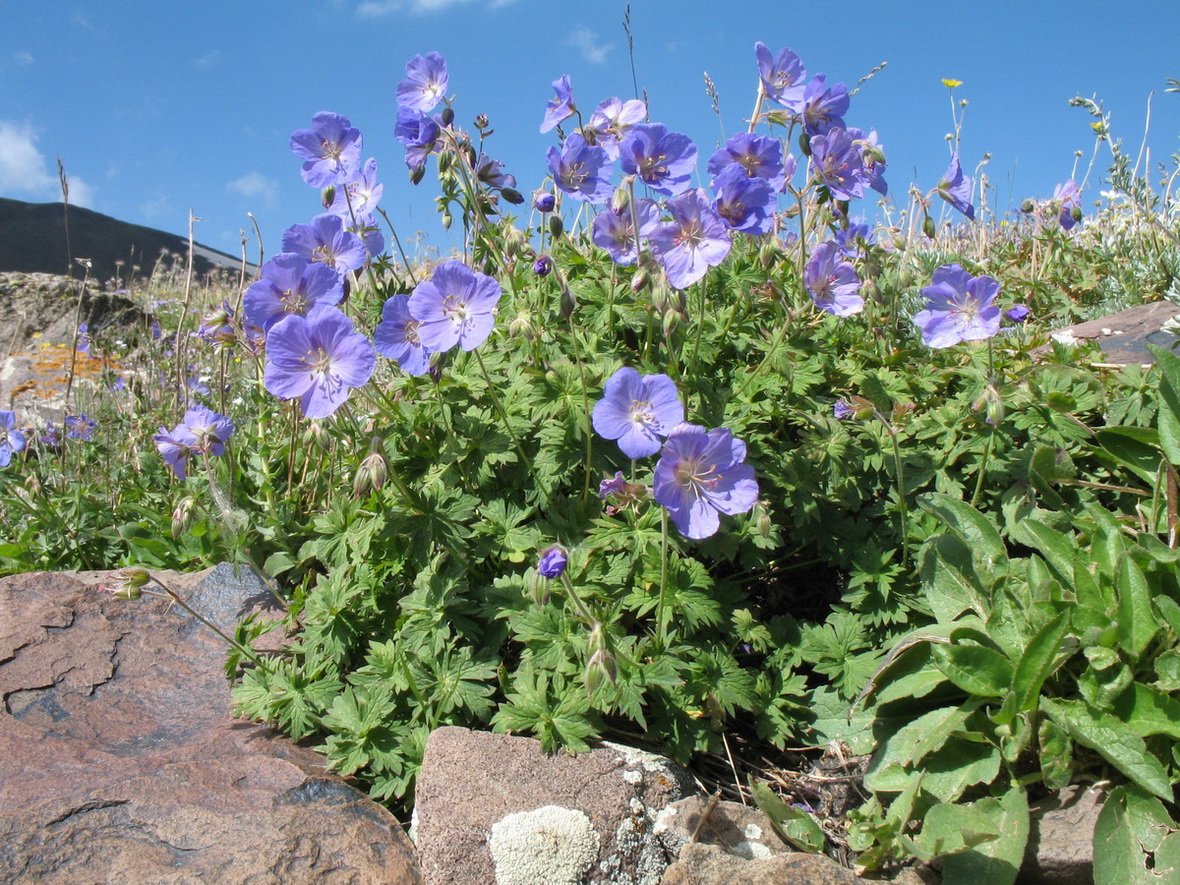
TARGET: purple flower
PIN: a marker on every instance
(360, 196)
(581, 170)
(955, 188)
(419, 133)
(211, 430)
(325, 241)
(637, 410)
(781, 75)
(832, 282)
(615, 232)
(837, 163)
(843, 411)
(490, 172)
(959, 308)
(79, 427)
(455, 306)
(695, 240)
(1067, 199)
(611, 121)
(83, 338)
(331, 150)
(759, 155)
(700, 475)
(1018, 313)
(217, 326)
(663, 160)
(11, 439)
(544, 202)
(823, 106)
(366, 228)
(396, 337)
(290, 284)
(175, 446)
(746, 204)
(317, 359)
(561, 105)
(872, 159)
(543, 266)
(425, 84)
(552, 562)
(853, 239)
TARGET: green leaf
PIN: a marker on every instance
(794, 826)
(972, 528)
(1147, 711)
(1169, 407)
(948, 829)
(1038, 662)
(996, 861)
(1137, 624)
(979, 671)
(1129, 828)
(1108, 737)
(920, 737)
(949, 580)
(1058, 549)
(1135, 448)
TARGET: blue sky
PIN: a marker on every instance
(156, 108)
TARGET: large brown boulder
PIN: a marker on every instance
(120, 762)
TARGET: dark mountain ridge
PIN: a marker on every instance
(33, 240)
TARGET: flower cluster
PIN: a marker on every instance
(202, 431)
(700, 474)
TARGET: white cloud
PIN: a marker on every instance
(25, 171)
(254, 185)
(23, 57)
(590, 45)
(378, 8)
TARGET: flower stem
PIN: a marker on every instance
(169, 593)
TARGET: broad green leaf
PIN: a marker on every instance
(1056, 755)
(948, 829)
(1109, 737)
(1168, 416)
(1058, 549)
(996, 861)
(1137, 624)
(1147, 711)
(794, 826)
(973, 529)
(949, 579)
(1135, 448)
(1038, 662)
(979, 671)
(922, 736)
(1129, 827)
(1169, 610)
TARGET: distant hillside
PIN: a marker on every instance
(33, 240)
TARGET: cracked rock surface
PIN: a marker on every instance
(120, 762)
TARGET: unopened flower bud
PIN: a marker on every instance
(552, 562)
(447, 117)
(928, 227)
(328, 196)
(417, 174)
(127, 583)
(768, 252)
(370, 475)
(536, 587)
(522, 326)
(512, 195)
(544, 202)
(1028, 207)
(555, 226)
(640, 280)
(778, 117)
(601, 663)
(447, 219)
(804, 144)
(1076, 213)
(481, 121)
(991, 404)
(1018, 313)
(568, 302)
(445, 160)
(542, 266)
(762, 519)
(182, 515)
(317, 435)
(620, 200)
(670, 322)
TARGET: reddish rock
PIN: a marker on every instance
(1060, 847)
(701, 864)
(492, 808)
(119, 761)
(1124, 336)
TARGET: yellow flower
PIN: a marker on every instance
(951, 84)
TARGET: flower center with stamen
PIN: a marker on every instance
(696, 477)
(455, 309)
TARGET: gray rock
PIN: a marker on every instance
(1061, 838)
(740, 830)
(493, 808)
(711, 865)
(1124, 336)
(119, 761)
